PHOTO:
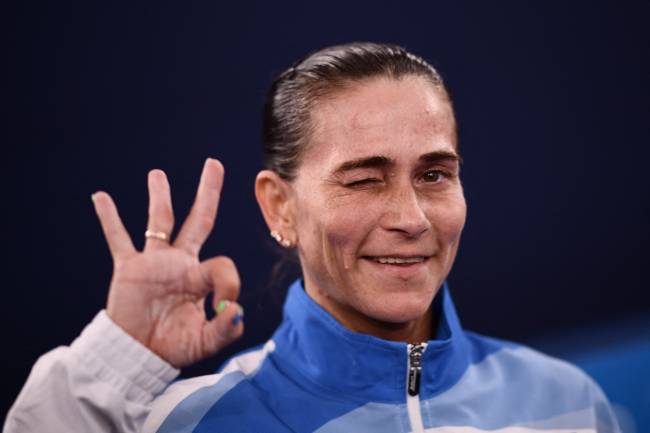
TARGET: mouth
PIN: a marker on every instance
(402, 267)
(397, 260)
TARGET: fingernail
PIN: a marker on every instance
(222, 306)
(237, 319)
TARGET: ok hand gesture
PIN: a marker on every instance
(157, 295)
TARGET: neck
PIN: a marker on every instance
(412, 331)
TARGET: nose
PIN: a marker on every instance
(405, 213)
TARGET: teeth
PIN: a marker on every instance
(398, 260)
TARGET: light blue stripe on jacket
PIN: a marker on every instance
(315, 375)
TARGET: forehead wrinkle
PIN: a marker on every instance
(400, 134)
(395, 120)
(370, 138)
(372, 130)
(338, 126)
(373, 112)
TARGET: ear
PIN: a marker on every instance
(275, 198)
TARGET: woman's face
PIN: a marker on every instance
(379, 207)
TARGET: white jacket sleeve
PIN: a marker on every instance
(104, 382)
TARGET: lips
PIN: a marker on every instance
(398, 260)
(401, 266)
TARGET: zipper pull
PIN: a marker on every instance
(415, 352)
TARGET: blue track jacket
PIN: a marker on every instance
(314, 375)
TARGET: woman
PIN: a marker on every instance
(362, 181)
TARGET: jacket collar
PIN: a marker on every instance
(314, 349)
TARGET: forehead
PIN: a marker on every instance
(400, 119)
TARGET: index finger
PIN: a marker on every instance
(118, 239)
(199, 222)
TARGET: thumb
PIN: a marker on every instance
(224, 328)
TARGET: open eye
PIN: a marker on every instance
(434, 176)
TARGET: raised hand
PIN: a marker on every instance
(157, 295)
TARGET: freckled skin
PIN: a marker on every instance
(402, 211)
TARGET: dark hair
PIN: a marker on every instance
(286, 125)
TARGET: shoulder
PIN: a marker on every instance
(184, 403)
(526, 378)
(509, 384)
(532, 381)
(519, 363)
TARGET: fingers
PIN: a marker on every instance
(219, 275)
(199, 223)
(161, 214)
(118, 239)
(226, 327)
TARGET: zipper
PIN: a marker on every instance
(413, 374)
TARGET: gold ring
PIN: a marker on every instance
(156, 235)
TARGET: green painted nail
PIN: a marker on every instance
(222, 306)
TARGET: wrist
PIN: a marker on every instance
(112, 355)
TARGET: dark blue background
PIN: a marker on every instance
(552, 103)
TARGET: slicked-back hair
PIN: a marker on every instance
(287, 125)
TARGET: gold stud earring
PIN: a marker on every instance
(286, 243)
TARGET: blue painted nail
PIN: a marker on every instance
(236, 319)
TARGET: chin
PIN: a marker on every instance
(399, 307)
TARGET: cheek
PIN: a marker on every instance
(332, 232)
(449, 219)
(344, 231)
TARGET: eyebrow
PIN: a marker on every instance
(441, 155)
(369, 162)
(378, 161)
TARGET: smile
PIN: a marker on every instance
(398, 260)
